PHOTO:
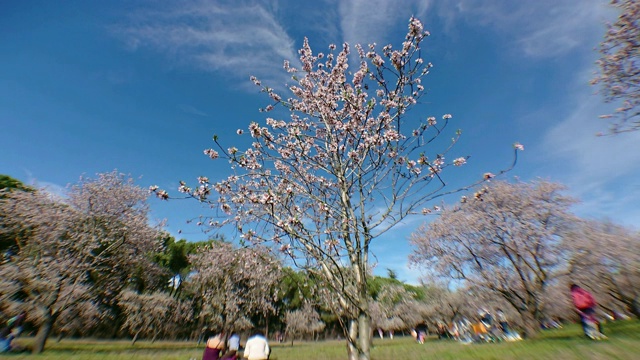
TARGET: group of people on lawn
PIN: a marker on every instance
(219, 346)
(490, 328)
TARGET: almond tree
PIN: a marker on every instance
(234, 284)
(397, 309)
(74, 250)
(619, 75)
(153, 315)
(605, 258)
(304, 321)
(344, 169)
(447, 305)
(507, 240)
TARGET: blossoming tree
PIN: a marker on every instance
(344, 169)
(619, 75)
(507, 240)
(605, 259)
(75, 252)
(234, 284)
(303, 321)
(154, 315)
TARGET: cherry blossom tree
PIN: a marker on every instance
(304, 321)
(344, 169)
(619, 66)
(233, 284)
(605, 258)
(74, 250)
(507, 239)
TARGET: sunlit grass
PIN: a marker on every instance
(564, 344)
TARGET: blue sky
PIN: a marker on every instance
(142, 86)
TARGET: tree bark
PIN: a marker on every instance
(43, 332)
(531, 325)
(364, 339)
(352, 351)
(633, 306)
(135, 338)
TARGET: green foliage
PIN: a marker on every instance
(295, 287)
(376, 283)
(9, 183)
(174, 257)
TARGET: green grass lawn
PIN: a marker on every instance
(561, 344)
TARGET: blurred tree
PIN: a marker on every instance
(77, 250)
(605, 258)
(233, 284)
(301, 322)
(619, 76)
(507, 239)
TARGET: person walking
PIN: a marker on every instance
(585, 305)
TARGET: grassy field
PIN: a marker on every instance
(562, 344)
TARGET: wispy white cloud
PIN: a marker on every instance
(596, 169)
(541, 29)
(51, 188)
(368, 21)
(235, 38)
(192, 110)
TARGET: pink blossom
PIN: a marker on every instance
(518, 146)
(211, 153)
(488, 176)
(446, 116)
(377, 61)
(162, 194)
(459, 161)
(239, 131)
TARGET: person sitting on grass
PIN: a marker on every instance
(215, 345)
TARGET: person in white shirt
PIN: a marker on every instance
(257, 347)
(234, 341)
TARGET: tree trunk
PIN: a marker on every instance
(43, 332)
(135, 338)
(531, 325)
(634, 308)
(364, 336)
(352, 351)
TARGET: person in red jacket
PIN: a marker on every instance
(586, 307)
